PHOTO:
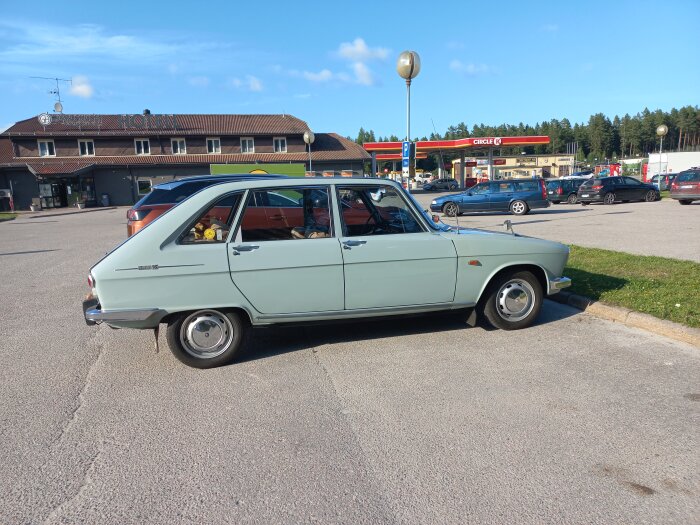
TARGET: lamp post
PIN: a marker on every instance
(309, 138)
(408, 67)
(661, 132)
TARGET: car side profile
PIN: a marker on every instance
(515, 196)
(564, 190)
(262, 252)
(166, 195)
(441, 184)
(685, 188)
(609, 190)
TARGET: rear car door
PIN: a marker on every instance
(284, 256)
(390, 258)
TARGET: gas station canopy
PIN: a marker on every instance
(466, 143)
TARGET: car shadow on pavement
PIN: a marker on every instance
(278, 340)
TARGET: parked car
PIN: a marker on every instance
(217, 264)
(666, 180)
(441, 184)
(609, 190)
(564, 189)
(422, 178)
(516, 196)
(685, 188)
(164, 196)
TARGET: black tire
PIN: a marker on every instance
(230, 328)
(519, 208)
(556, 202)
(584, 203)
(572, 198)
(450, 209)
(506, 293)
(684, 202)
(651, 196)
(609, 198)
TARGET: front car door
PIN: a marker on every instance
(500, 195)
(635, 189)
(475, 199)
(284, 256)
(390, 258)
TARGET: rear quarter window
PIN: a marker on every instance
(527, 185)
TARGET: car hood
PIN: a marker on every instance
(472, 242)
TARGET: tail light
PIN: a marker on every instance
(543, 187)
(560, 190)
(674, 186)
(91, 281)
(137, 215)
(598, 187)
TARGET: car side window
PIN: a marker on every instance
(214, 224)
(375, 210)
(284, 214)
(501, 187)
(630, 181)
(530, 185)
(479, 189)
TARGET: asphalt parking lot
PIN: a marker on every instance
(663, 228)
(417, 420)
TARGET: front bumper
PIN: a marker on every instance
(556, 285)
(436, 207)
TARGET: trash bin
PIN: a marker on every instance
(105, 199)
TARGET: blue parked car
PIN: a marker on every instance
(516, 196)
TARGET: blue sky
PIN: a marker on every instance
(333, 63)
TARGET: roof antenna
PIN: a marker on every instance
(58, 106)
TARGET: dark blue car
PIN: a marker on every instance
(515, 196)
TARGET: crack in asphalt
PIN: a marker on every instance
(366, 461)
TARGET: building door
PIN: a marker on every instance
(52, 194)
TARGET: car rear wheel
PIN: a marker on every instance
(609, 198)
(584, 203)
(453, 187)
(450, 209)
(651, 196)
(518, 208)
(573, 198)
(512, 301)
(684, 202)
(206, 338)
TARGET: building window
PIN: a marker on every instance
(86, 147)
(247, 145)
(280, 144)
(214, 145)
(46, 148)
(144, 186)
(179, 146)
(143, 146)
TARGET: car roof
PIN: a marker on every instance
(216, 178)
(284, 182)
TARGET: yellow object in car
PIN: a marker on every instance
(209, 234)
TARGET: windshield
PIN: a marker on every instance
(441, 226)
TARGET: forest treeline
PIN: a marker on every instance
(600, 137)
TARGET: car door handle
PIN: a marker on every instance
(244, 248)
(276, 217)
(349, 244)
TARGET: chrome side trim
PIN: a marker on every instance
(558, 284)
(342, 314)
(124, 316)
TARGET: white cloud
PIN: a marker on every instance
(199, 81)
(471, 69)
(325, 75)
(250, 83)
(81, 87)
(362, 74)
(358, 51)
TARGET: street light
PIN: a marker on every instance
(661, 132)
(309, 138)
(408, 67)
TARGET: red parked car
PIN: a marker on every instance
(686, 187)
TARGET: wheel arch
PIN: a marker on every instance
(537, 270)
(243, 312)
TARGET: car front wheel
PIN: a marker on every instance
(609, 198)
(651, 196)
(518, 208)
(573, 199)
(450, 209)
(512, 301)
(684, 202)
(206, 338)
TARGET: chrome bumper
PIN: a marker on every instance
(555, 285)
(141, 318)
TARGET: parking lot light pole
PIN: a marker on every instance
(309, 138)
(408, 67)
(661, 132)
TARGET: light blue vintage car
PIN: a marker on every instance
(250, 253)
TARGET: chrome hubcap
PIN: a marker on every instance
(516, 299)
(451, 210)
(518, 207)
(206, 334)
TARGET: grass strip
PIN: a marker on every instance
(7, 216)
(665, 288)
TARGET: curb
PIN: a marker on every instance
(40, 214)
(629, 317)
